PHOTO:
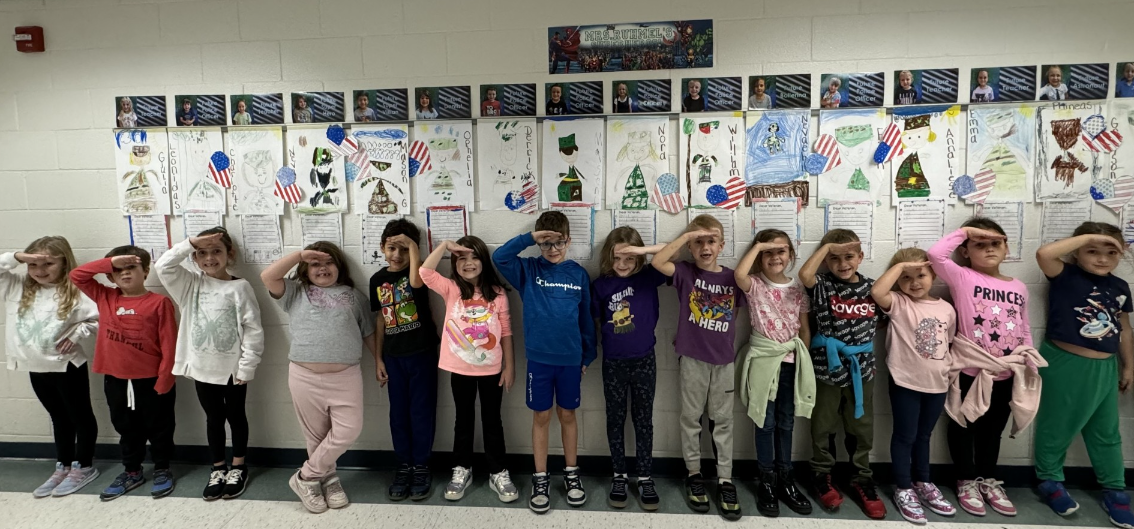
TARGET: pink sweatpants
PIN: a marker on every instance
(329, 408)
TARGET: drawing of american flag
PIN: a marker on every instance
(829, 148)
(419, 154)
(1106, 141)
(666, 194)
(341, 144)
(361, 160)
(983, 181)
(729, 195)
(218, 169)
(528, 193)
(286, 187)
(1117, 194)
(891, 144)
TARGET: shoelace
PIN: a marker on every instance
(728, 495)
(541, 486)
(234, 476)
(573, 481)
(503, 479)
(216, 477)
(993, 488)
(648, 488)
(420, 479)
(972, 488)
(618, 486)
(697, 488)
(868, 491)
(402, 476)
(459, 475)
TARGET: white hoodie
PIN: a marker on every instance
(221, 334)
(30, 339)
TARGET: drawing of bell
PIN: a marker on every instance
(380, 203)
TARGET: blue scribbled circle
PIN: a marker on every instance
(815, 163)
(964, 186)
(716, 195)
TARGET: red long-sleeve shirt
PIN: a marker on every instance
(137, 336)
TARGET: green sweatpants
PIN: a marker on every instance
(834, 407)
(1079, 395)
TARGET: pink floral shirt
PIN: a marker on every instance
(775, 309)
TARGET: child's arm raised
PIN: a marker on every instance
(811, 265)
(83, 276)
(1048, 256)
(663, 260)
(273, 275)
(941, 253)
(176, 278)
(1126, 353)
(507, 257)
(414, 258)
(743, 280)
(438, 253)
(884, 286)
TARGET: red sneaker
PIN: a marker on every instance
(868, 499)
(829, 496)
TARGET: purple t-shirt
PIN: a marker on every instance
(706, 317)
(627, 308)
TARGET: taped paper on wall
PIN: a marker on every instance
(198, 221)
(255, 155)
(572, 162)
(262, 243)
(1010, 216)
(372, 227)
(141, 158)
(920, 223)
(191, 167)
(1001, 154)
(506, 159)
(855, 216)
(777, 214)
(710, 151)
(927, 162)
(150, 233)
(777, 148)
(727, 218)
(637, 153)
(1066, 166)
(645, 222)
(446, 223)
(319, 170)
(315, 228)
(582, 221)
(1060, 218)
(445, 164)
(383, 188)
(858, 177)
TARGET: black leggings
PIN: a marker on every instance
(221, 404)
(632, 381)
(976, 449)
(465, 390)
(67, 398)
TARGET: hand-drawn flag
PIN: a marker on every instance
(341, 144)
(1113, 194)
(419, 158)
(218, 169)
(524, 201)
(286, 187)
(666, 194)
(727, 196)
(827, 147)
(1105, 141)
(360, 160)
(891, 145)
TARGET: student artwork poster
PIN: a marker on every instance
(572, 161)
(384, 188)
(319, 171)
(443, 155)
(1066, 167)
(190, 154)
(507, 164)
(777, 143)
(637, 153)
(710, 152)
(1120, 167)
(928, 160)
(1001, 154)
(141, 160)
(857, 178)
(255, 155)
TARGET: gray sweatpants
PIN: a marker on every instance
(712, 385)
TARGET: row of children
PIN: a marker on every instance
(973, 358)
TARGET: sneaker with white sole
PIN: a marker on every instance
(969, 498)
(455, 490)
(214, 489)
(76, 479)
(996, 497)
(909, 506)
(576, 496)
(540, 502)
(932, 499)
(501, 484)
(56, 478)
(310, 492)
(235, 482)
(333, 492)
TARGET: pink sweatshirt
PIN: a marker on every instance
(473, 328)
(990, 312)
(1027, 385)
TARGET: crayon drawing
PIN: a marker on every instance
(927, 161)
(141, 157)
(857, 178)
(254, 156)
(384, 189)
(637, 153)
(1001, 153)
(1066, 166)
(445, 172)
(190, 151)
(573, 163)
(776, 150)
(319, 171)
(506, 158)
(710, 151)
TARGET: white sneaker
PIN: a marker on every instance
(455, 490)
(56, 478)
(333, 492)
(309, 492)
(502, 485)
(76, 479)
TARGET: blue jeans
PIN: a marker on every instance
(773, 440)
(413, 406)
(915, 415)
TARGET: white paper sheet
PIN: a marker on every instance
(582, 220)
(855, 216)
(920, 223)
(1061, 218)
(255, 156)
(1002, 152)
(558, 159)
(645, 222)
(386, 189)
(777, 214)
(506, 160)
(777, 145)
(449, 180)
(727, 218)
(637, 153)
(1065, 167)
(857, 178)
(929, 157)
(372, 227)
(198, 221)
(190, 151)
(1010, 216)
(150, 233)
(141, 159)
(1128, 223)
(262, 241)
(710, 151)
(317, 228)
(319, 171)
(446, 223)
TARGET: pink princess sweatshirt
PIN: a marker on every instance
(991, 312)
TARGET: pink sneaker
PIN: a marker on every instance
(994, 495)
(931, 497)
(968, 497)
(908, 506)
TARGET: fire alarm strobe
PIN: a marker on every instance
(29, 39)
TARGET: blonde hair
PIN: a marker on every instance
(620, 235)
(839, 236)
(705, 221)
(66, 293)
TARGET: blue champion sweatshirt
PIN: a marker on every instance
(554, 296)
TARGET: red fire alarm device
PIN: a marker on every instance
(29, 39)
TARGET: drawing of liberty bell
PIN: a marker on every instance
(139, 196)
(380, 203)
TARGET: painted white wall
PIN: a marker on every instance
(56, 171)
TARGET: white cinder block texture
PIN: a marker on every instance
(199, 22)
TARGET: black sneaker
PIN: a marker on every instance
(214, 490)
(399, 489)
(618, 496)
(422, 484)
(648, 495)
(766, 502)
(576, 496)
(236, 482)
(540, 501)
(790, 494)
(728, 502)
(695, 493)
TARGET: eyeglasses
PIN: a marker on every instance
(558, 245)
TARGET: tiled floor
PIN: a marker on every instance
(270, 503)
